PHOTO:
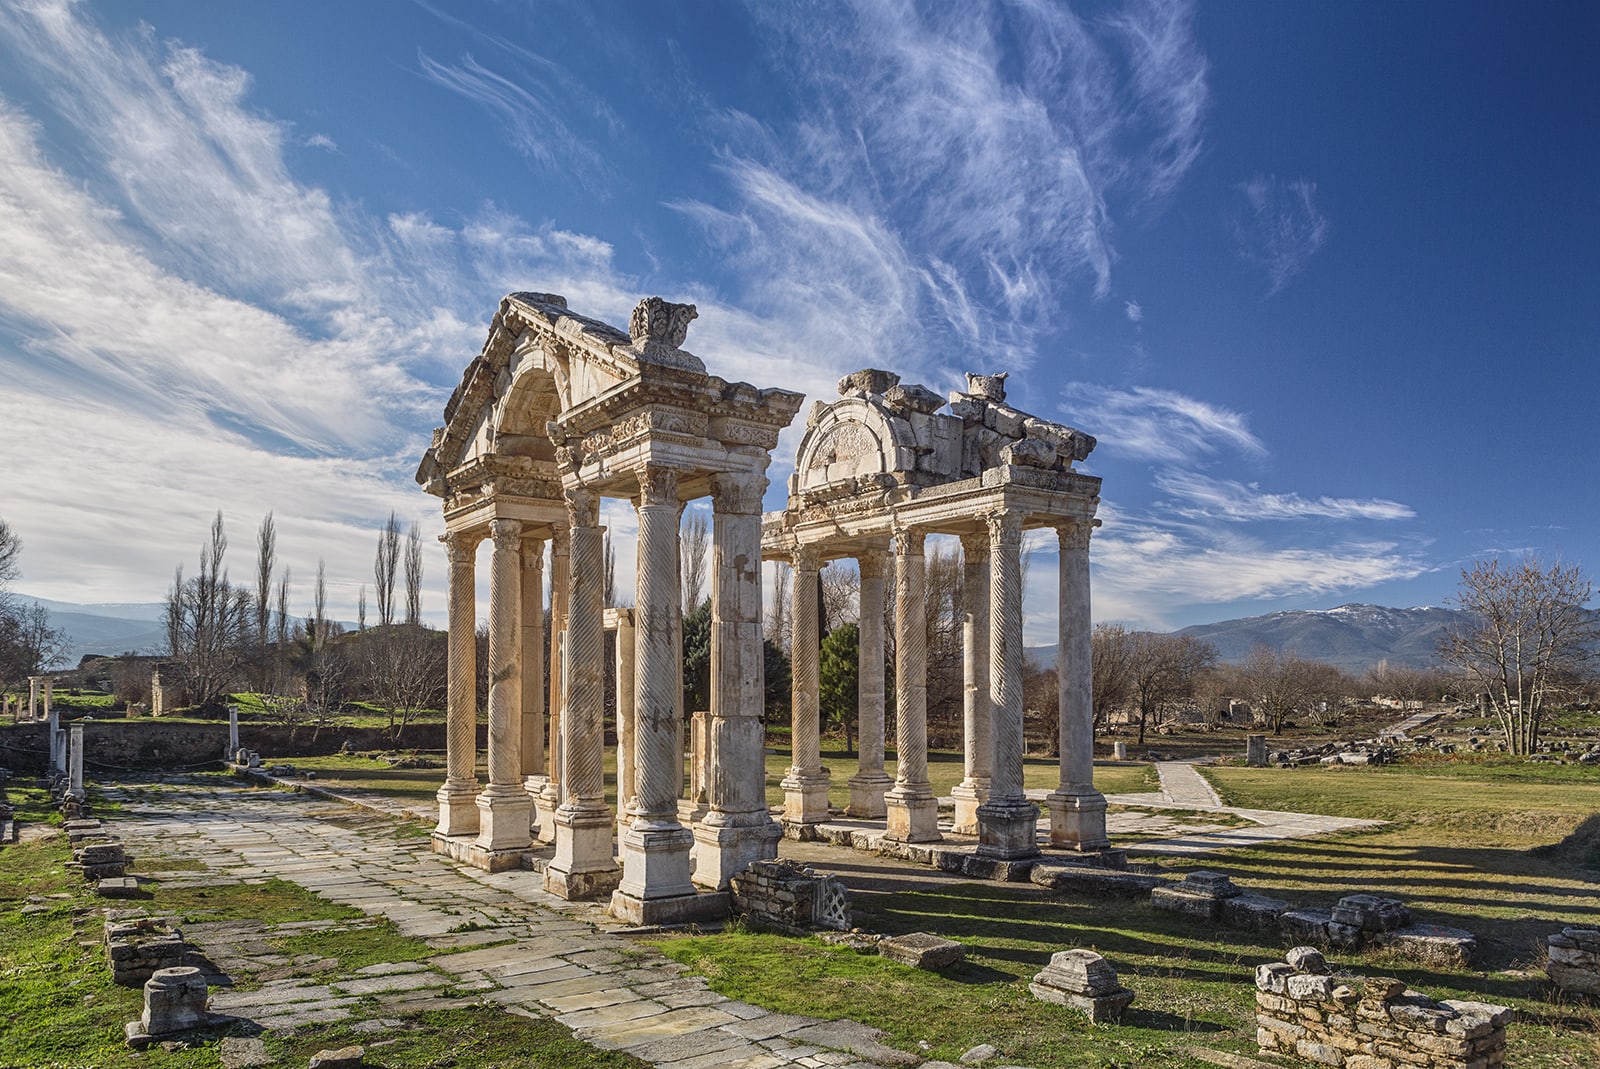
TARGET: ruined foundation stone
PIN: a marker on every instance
(138, 946)
(174, 1001)
(1353, 1022)
(1085, 981)
(921, 950)
(789, 897)
(1574, 964)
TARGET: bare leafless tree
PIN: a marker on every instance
(1282, 685)
(610, 572)
(385, 566)
(361, 609)
(266, 558)
(693, 545)
(208, 624)
(1162, 671)
(1111, 656)
(414, 576)
(1524, 631)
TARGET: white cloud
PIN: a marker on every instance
(322, 141)
(1134, 311)
(1281, 228)
(1145, 422)
(1227, 499)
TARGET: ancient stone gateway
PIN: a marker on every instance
(879, 469)
(557, 412)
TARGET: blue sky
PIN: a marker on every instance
(1319, 276)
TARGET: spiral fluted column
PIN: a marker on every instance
(737, 829)
(1077, 809)
(458, 810)
(550, 795)
(583, 865)
(977, 745)
(913, 812)
(533, 692)
(504, 809)
(805, 785)
(655, 850)
(1007, 821)
(868, 785)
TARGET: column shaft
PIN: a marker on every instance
(1007, 821)
(868, 785)
(1077, 809)
(458, 813)
(805, 785)
(977, 749)
(533, 690)
(504, 808)
(912, 809)
(550, 795)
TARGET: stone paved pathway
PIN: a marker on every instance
(548, 957)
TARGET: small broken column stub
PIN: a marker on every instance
(1085, 981)
(1574, 960)
(1356, 1022)
(788, 897)
(138, 946)
(921, 950)
(174, 1001)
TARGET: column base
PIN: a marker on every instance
(544, 811)
(465, 849)
(1077, 819)
(805, 796)
(1008, 829)
(655, 861)
(534, 785)
(969, 794)
(505, 815)
(458, 807)
(913, 815)
(694, 908)
(866, 794)
(583, 866)
(722, 851)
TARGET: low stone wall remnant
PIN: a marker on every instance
(788, 897)
(1574, 964)
(1354, 1022)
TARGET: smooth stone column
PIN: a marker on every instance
(805, 785)
(912, 810)
(533, 692)
(49, 684)
(458, 809)
(655, 851)
(737, 829)
(868, 785)
(233, 732)
(977, 750)
(58, 760)
(75, 763)
(1077, 810)
(1008, 823)
(627, 718)
(505, 812)
(33, 697)
(583, 865)
(550, 795)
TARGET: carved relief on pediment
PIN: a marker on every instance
(845, 442)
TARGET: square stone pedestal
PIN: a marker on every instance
(705, 907)
(458, 807)
(866, 795)
(1078, 820)
(537, 823)
(1008, 830)
(583, 866)
(545, 805)
(655, 860)
(722, 851)
(913, 816)
(505, 815)
(968, 796)
(805, 797)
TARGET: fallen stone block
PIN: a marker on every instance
(1574, 960)
(1371, 913)
(1257, 913)
(1085, 981)
(1082, 879)
(1305, 925)
(921, 950)
(117, 887)
(1433, 944)
(343, 1058)
(1189, 903)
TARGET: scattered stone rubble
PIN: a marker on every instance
(138, 945)
(921, 950)
(786, 896)
(1574, 960)
(1370, 1023)
(1085, 981)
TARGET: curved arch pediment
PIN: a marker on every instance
(852, 438)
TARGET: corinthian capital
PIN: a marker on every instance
(507, 534)
(658, 485)
(738, 492)
(583, 507)
(461, 546)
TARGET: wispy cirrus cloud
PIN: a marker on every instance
(1281, 227)
(1157, 424)
(1203, 497)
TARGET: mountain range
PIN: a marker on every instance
(136, 627)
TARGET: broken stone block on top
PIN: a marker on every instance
(921, 950)
(1574, 960)
(1371, 913)
(174, 1001)
(1085, 981)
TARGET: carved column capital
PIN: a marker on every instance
(461, 546)
(658, 485)
(873, 563)
(507, 534)
(975, 545)
(910, 540)
(1075, 534)
(1005, 526)
(583, 507)
(560, 540)
(807, 558)
(738, 492)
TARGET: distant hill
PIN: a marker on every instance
(106, 628)
(1353, 637)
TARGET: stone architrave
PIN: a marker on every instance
(737, 828)
(533, 692)
(583, 865)
(458, 809)
(805, 786)
(505, 812)
(1077, 809)
(868, 785)
(973, 790)
(1007, 821)
(550, 795)
(75, 763)
(655, 850)
(912, 809)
